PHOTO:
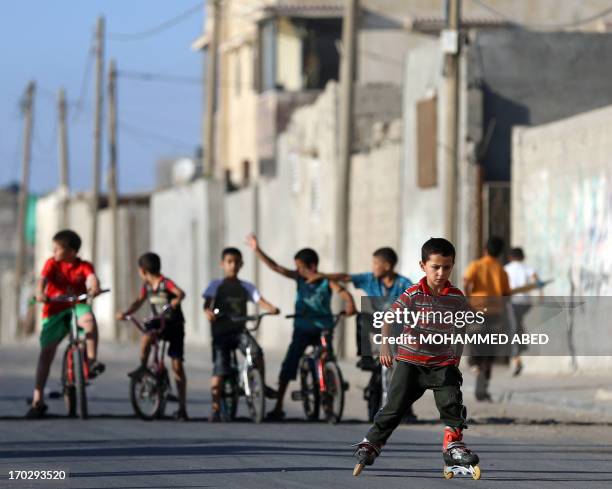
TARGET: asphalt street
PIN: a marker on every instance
(520, 447)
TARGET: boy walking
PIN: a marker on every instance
(160, 291)
(312, 299)
(420, 366)
(224, 298)
(484, 278)
(64, 274)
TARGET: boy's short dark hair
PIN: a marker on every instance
(68, 239)
(308, 256)
(437, 246)
(230, 250)
(386, 254)
(517, 254)
(495, 246)
(150, 262)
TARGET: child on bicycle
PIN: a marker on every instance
(224, 298)
(64, 274)
(312, 299)
(160, 291)
(383, 281)
(420, 366)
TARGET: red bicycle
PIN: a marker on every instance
(150, 389)
(75, 365)
(321, 382)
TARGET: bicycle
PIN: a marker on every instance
(75, 365)
(150, 389)
(246, 380)
(376, 391)
(321, 381)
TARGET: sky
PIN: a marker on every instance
(50, 42)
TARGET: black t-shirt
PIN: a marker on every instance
(230, 297)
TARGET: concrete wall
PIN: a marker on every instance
(562, 217)
(187, 232)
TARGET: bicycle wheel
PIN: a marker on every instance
(334, 394)
(256, 400)
(79, 382)
(311, 396)
(69, 389)
(229, 398)
(146, 395)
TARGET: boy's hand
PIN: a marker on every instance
(120, 316)
(41, 297)
(386, 358)
(276, 311)
(94, 291)
(174, 303)
(251, 241)
(210, 315)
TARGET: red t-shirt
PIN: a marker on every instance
(64, 278)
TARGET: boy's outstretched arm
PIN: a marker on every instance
(267, 306)
(349, 303)
(134, 306)
(336, 277)
(254, 245)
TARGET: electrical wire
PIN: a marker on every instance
(162, 77)
(152, 31)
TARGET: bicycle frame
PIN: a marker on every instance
(158, 356)
(321, 353)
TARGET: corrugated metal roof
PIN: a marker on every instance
(310, 10)
(437, 24)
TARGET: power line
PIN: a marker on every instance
(575, 23)
(162, 77)
(143, 133)
(137, 36)
(78, 106)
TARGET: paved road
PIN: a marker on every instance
(113, 449)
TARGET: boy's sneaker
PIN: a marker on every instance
(367, 363)
(37, 411)
(96, 368)
(270, 393)
(181, 415)
(366, 452)
(275, 415)
(138, 372)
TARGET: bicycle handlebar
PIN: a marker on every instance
(75, 298)
(248, 318)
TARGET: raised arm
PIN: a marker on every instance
(254, 245)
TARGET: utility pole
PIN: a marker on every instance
(211, 89)
(451, 86)
(63, 159)
(97, 155)
(112, 183)
(343, 181)
(28, 111)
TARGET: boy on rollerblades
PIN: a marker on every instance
(423, 366)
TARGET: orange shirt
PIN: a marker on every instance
(488, 277)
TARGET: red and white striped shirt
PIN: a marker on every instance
(417, 298)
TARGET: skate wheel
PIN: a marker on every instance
(448, 474)
(357, 470)
(476, 473)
